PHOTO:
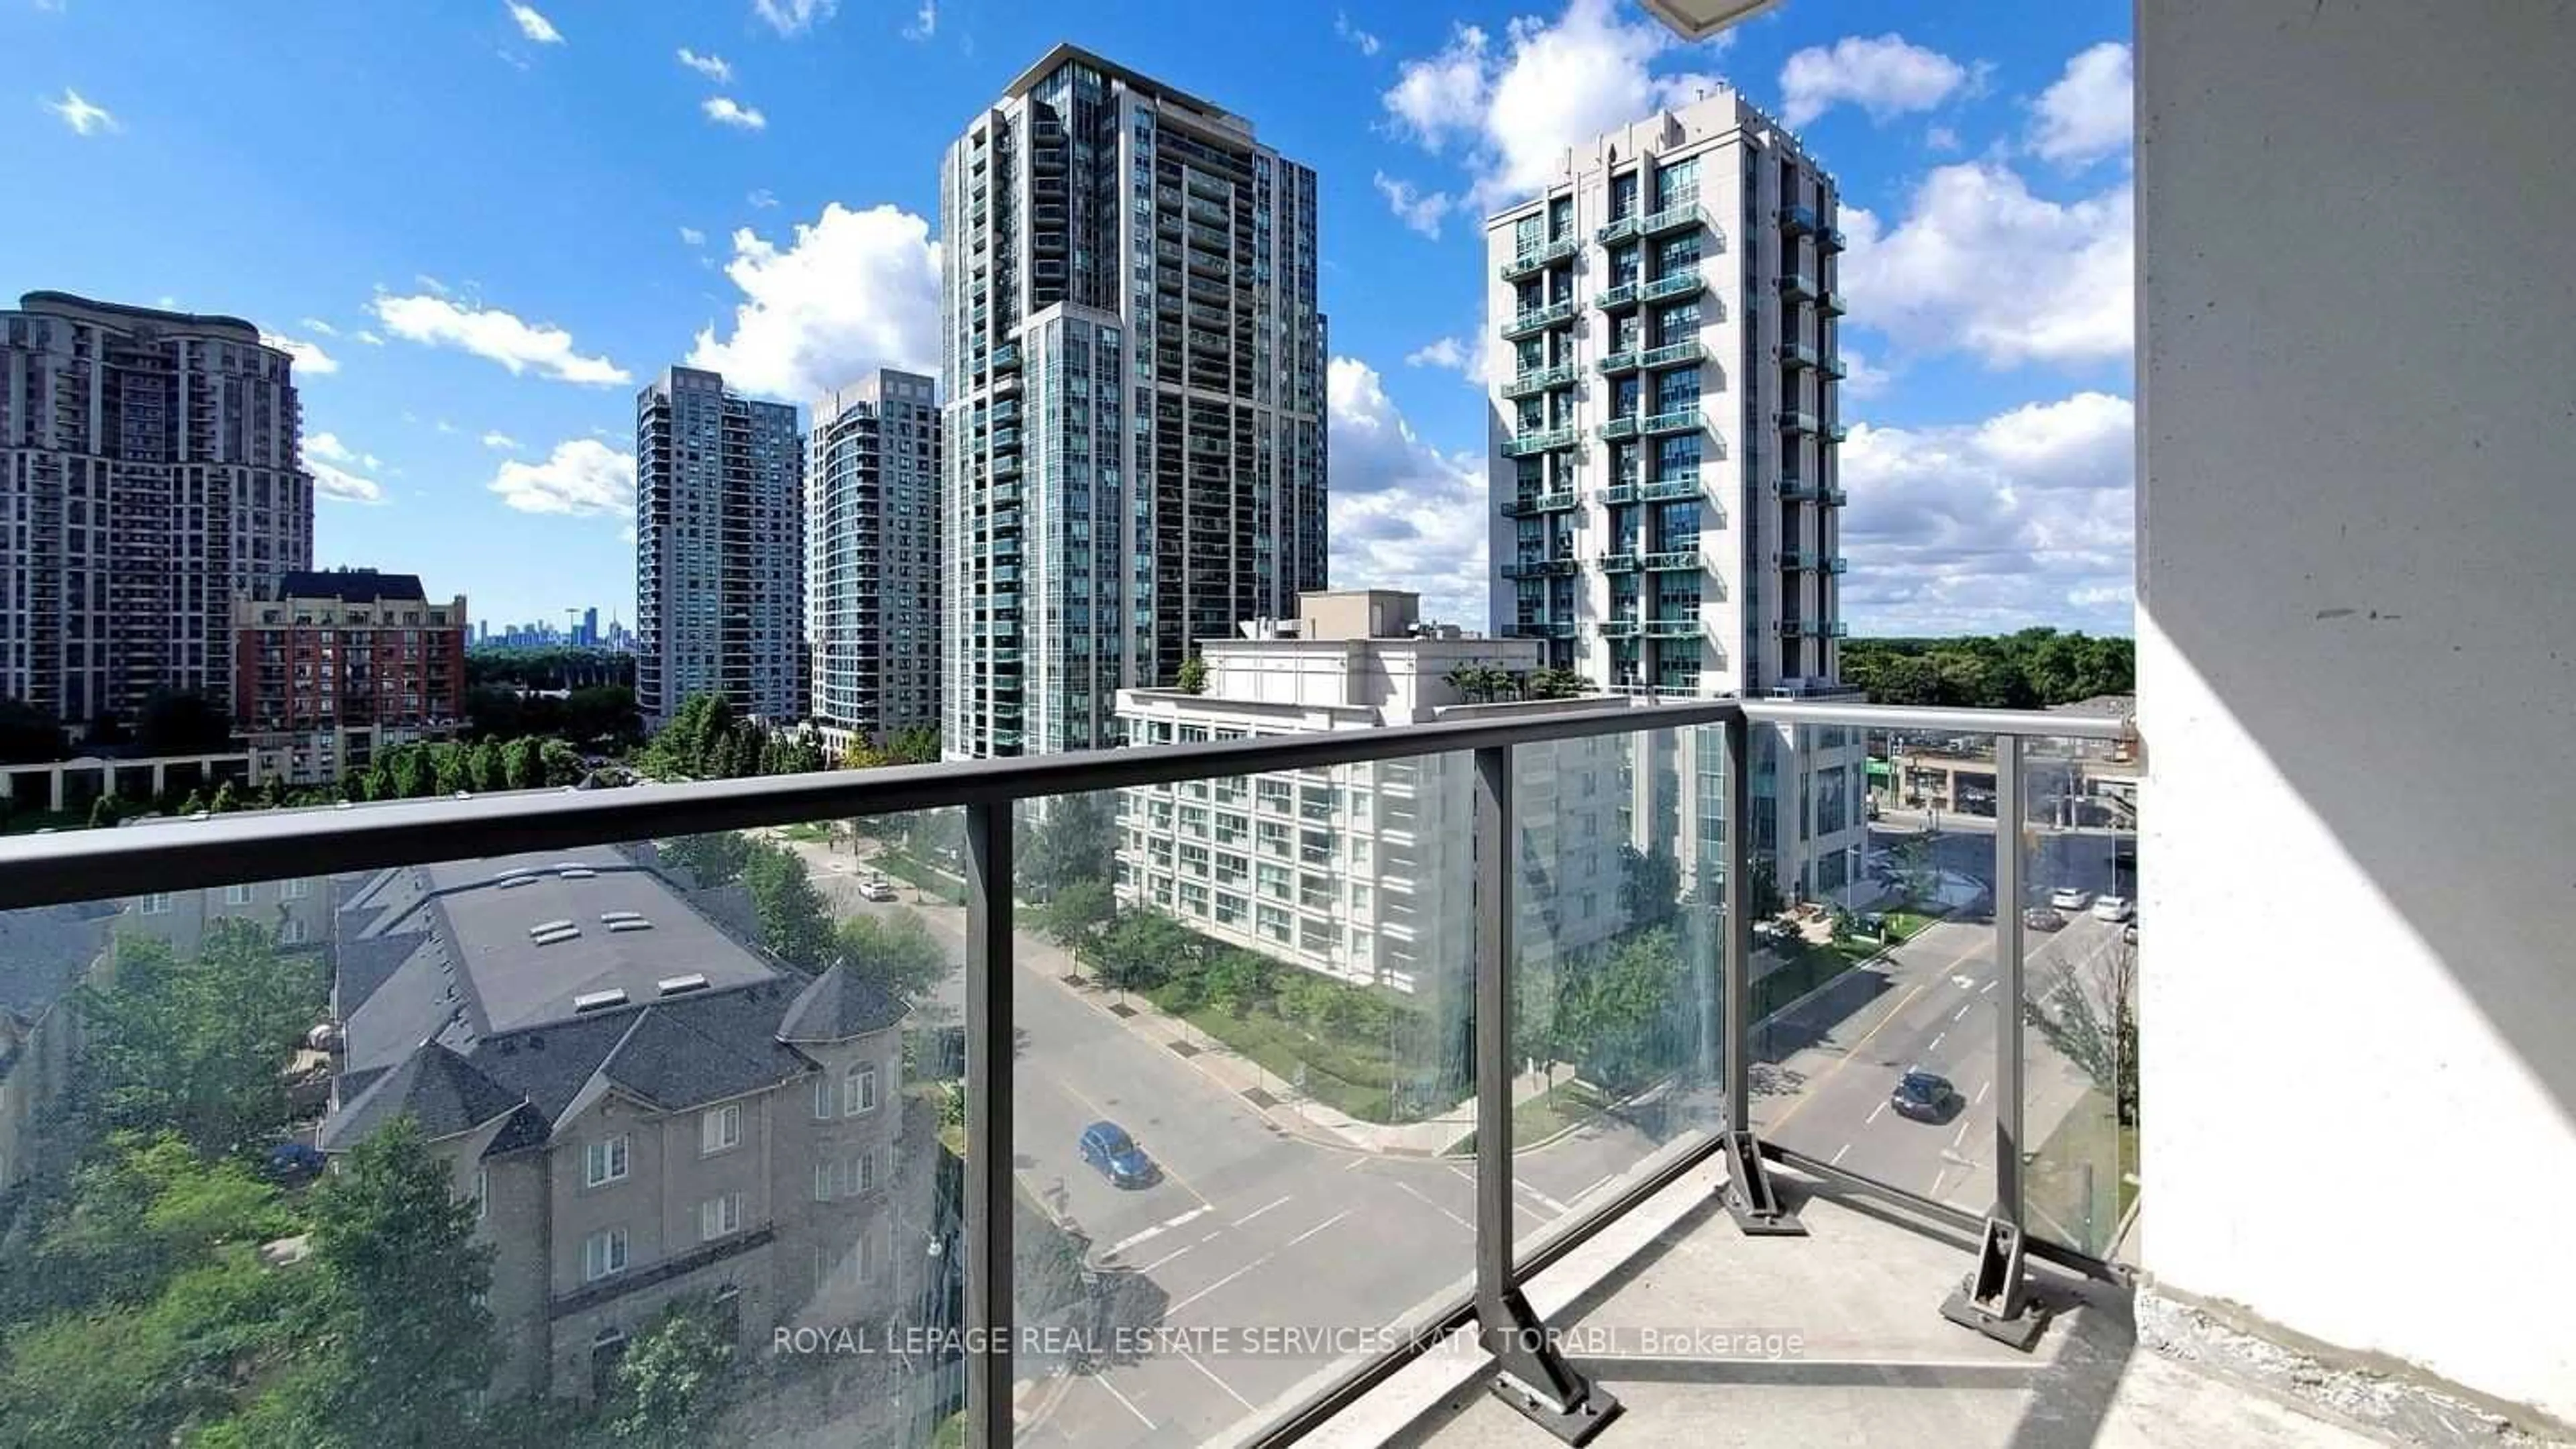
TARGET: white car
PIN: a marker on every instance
(2070, 898)
(2114, 908)
(877, 890)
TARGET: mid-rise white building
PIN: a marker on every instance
(1668, 501)
(1365, 873)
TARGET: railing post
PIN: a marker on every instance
(1530, 1374)
(1747, 1194)
(1994, 1300)
(988, 1205)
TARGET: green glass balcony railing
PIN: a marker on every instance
(1681, 628)
(1797, 220)
(1795, 355)
(1539, 503)
(1530, 384)
(1681, 216)
(1622, 362)
(1619, 298)
(1619, 428)
(1545, 255)
(1544, 568)
(1665, 490)
(1675, 558)
(1674, 355)
(1687, 283)
(1798, 422)
(1617, 231)
(1619, 628)
(1620, 563)
(1539, 319)
(1521, 445)
(1680, 420)
(1798, 287)
(1832, 304)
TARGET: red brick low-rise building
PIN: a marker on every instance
(332, 666)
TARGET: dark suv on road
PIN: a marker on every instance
(1923, 1096)
(1106, 1146)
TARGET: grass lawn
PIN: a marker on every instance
(2054, 1185)
(810, 832)
(1541, 1117)
(1353, 1077)
(1906, 925)
(930, 878)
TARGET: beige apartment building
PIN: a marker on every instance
(641, 1106)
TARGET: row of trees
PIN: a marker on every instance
(557, 666)
(897, 952)
(600, 716)
(171, 722)
(401, 772)
(1488, 684)
(2032, 669)
(707, 740)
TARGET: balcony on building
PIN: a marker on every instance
(1796, 355)
(1679, 420)
(1619, 428)
(1539, 380)
(1798, 421)
(1797, 220)
(1684, 214)
(1542, 568)
(1521, 445)
(1564, 500)
(1797, 287)
(1625, 561)
(1675, 354)
(1539, 319)
(1539, 258)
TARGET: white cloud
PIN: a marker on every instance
(1404, 514)
(2028, 517)
(1886, 77)
(1512, 110)
(429, 283)
(500, 440)
(329, 448)
(329, 461)
(84, 119)
(2087, 114)
(1933, 283)
(309, 357)
(925, 21)
(1940, 138)
(1446, 352)
(1422, 212)
(714, 67)
(724, 111)
(791, 17)
(850, 291)
(690, 236)
(318, 326)
(535, 26)
(497, 335)
(445, 426)
(762, 199)
(1343, 27)
(370, 338)
(581, 478)
(1861, 381)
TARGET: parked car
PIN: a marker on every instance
(2113, 908)
(2041, 918)
(1923, 1096)
(2129, 933)
(1106, 1146)
(2070, 898)
(290, 1163)
(877, 890)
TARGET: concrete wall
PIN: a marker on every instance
(2356, 520)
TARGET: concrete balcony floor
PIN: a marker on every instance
(1875, 1363)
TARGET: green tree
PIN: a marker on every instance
(1076, 914)
(483, 768)
(897, 951)
(1557, 684)
(195, 803)
(558, 764)
(1077, 839)
(1193, 676)
(199, 1045)
(105, 811)
(450, 767)
(1142, 950)
(1650, 885)
(1914, 869)
(917, 746)
(145, 1208)
(520, 769)
(790, 911)
(412, 776)
(380, 783)
(671, 1379)
(182, 722)
(1615, 1012)
(29, 735)
(2089, 1013)
(712, 860)
(409, 1336)
(226, 799)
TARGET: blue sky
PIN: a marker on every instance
(483, 225)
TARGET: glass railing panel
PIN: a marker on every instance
(653, 1141)
(1270, 1010)
(1875, 964)
(2080, 994)
(1615, 966)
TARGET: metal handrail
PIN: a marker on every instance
(236, 849)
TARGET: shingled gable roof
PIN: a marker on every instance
(434, 1086)
(838, 1005)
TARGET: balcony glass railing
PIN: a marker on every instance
(1542, 568)
(1800, 490)
(1832, 367)
(1831, 303)
(1795, 355)
(1797, 422)
(1679, 420)
(1798, 287)
(1685, 283)
(1539, 319)
(1619, 298)
(1618, 230)
(1619, 362)
(1530, 384)
(1624, 561)
(1682, 627)
(1664, 490)
(1619, 628)
(1618, 493)
(1686, 557)
(1797, 220)
(1674, 355)
(1539, 503)
(1619, 428)
(1523, 444)
(1539, 258)
(1680, 217)
(836, 1111)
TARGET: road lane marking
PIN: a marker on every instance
(1356, 1164)
(1542, 1199)
(1176, 1252)
(1319, 1227)
(1854, 1049)
(1193, 1361)
(1156, 1231)
(1936, 1041)
(1962, 1135)
(1989, 986)
(1962, 1015)
(1873, 1113)
(1595, 1185)
(1838, 1155)
(1256, 1212)
(1219, 1283)
(1150, 1425)
(1435, 1207)
(1982, 1089)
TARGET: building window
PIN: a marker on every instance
(603, 1253)
(482, 1194)
(863, 1173)
(827, 1180)
(606, 1161)
(826, 1103)
(859, 1090)
(157, 904)
(720, 1217)
(720, 1128)
(295, 890)
(292, 933)
(237, 895)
